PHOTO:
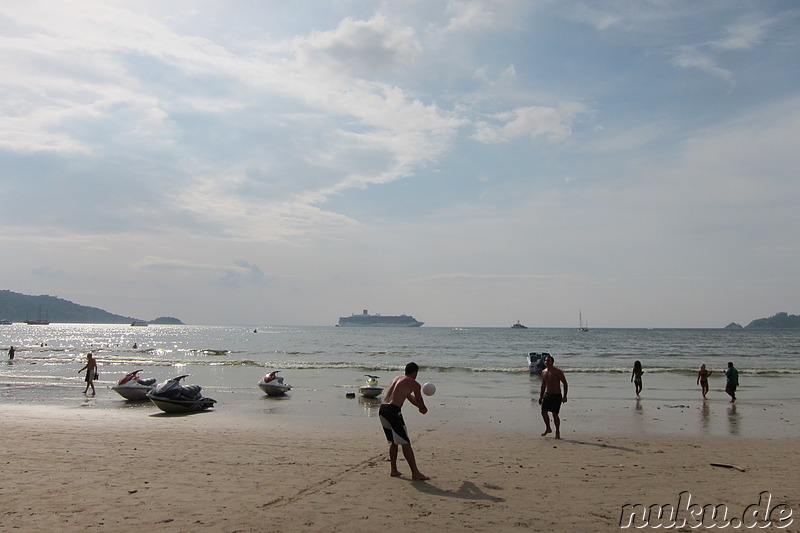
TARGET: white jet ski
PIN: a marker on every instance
(371, 389)
(536, 362)
(133, 388)
(273, 385)
(172, 397)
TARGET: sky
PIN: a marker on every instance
(471, 163)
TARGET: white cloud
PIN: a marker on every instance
(742, 36)
(693, 58)
(532, 121)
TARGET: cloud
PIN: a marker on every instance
(469, 15)
(532, 121)
(692, 57)
(742, 36)
(47, 272)
(359, 46)
(242, 272)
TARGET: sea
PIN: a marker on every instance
(480, 373)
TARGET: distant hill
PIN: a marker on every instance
(18, 307)
(777, 321)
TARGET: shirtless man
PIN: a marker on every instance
(550, 396)
(91, 370)
(402, 388)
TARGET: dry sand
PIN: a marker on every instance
(117, 470)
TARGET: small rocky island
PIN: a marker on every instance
(777, 321)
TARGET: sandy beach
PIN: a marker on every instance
(83, 469)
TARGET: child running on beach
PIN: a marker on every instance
(636, 377)
(702, 379)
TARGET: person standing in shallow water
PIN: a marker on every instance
(732, 376)
(11, 352)
(636, 377)
(550, 397)
(402, 388)
(91, 372)
(702, 379)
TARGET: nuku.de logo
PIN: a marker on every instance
(687, 514)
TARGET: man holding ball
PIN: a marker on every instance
(402, 388)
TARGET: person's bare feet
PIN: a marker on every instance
(395, 473)
(558, 434)
(419, 476)
(546, 431)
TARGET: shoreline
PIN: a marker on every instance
(503, 405)
(98, 469)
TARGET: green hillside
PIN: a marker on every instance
(18, 307)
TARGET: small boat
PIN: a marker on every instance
(133, 388)
(273, 385)
(5, 322)
(581, 325)
(518, 325)
(536, 362)
(172, 397)
(140, 323)
(371, 389)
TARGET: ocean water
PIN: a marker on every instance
(480, 373)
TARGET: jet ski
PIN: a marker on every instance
(172, 397)
(273, 385)
(536, 362)
(371, 389)
(132, 387)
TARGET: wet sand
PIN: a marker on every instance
(98, 469)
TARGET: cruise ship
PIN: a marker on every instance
(366, 320)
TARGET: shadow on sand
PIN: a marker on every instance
(467, 491)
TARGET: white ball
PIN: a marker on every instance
(429, 389)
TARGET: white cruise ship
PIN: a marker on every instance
(366, 320)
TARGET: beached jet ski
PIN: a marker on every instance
(536, 362)
(132, 387)
(172, 397)
(273, 385)
(371, 389)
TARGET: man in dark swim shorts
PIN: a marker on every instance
(550, 396)
(551, 402)
(402, 388)
(394, 427)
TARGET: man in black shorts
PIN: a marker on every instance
(402, 388)
(550, 395)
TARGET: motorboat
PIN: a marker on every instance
(273, 385)
(519, 325)
(370, 389)
(172, 397)
(132, 387)
(536, 362)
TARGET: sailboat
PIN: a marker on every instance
(581, 325)
(38, 321)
